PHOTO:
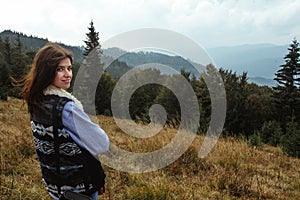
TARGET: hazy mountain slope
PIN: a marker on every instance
(260, 61)
(34, 43)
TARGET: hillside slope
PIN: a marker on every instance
(33, 43)
(231, 171)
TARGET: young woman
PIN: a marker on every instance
(66, 140)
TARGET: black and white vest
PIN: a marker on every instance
(65, 165)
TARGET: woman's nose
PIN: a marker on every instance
(67, 73)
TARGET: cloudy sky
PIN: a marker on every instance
(209, 23)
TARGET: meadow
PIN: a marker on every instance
(232, 170)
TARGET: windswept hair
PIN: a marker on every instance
(42, 73)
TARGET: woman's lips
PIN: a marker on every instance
(66, 81)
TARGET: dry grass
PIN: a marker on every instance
(231, 171)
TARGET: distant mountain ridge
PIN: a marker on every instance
(142, 58)
(33, 43)
(262, 81)
(260, 61)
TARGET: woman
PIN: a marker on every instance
(67, 155)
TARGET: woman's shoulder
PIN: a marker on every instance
(72, 108)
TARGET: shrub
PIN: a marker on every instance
(255, 140)
(271, 133)
(291, 140)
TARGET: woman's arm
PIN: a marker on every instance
(83, 131)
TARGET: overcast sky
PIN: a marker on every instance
(209, 23)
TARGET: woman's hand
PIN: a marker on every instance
(101, 190)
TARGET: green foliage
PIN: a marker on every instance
(236, 95)
(4, 81)
(287, 92)
(7, 51)
(255, 140)
(13, 63)
(141, 101)
(287, 100)
(103, 94)
(4, 74)
(271, 133)
(259, 106)
(290, 141)
(118, 68)
(92, 40)
(33, 43)
(141, 98)
(19, 67)
(201, 91)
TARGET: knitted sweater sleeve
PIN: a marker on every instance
(83, 131)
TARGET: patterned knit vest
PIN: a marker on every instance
(65, 165)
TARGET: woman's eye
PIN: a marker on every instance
(70, 68)
(59, 69)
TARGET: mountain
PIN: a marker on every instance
(262, 81)
(152, 59)
(33, 43)
(258, 60)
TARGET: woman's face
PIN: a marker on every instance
(63, 74)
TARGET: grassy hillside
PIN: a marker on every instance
(231, 171)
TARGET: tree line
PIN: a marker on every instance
(259, 114)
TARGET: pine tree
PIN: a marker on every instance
(92, 40)
(1, 50)
(7, 51)
(90, 71)
(4, 73)
(236, 96)
(18, 67)
(287, 92)
(290, 141)
(103, 94)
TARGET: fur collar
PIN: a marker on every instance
(52, 90)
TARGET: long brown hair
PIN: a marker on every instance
(42, 73)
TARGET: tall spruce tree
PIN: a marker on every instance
(7, 51)
(1, 50)
(92, 40)
(4, 74)
(287, 92)
(90, 71)
(18, 59)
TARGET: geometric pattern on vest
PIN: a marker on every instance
(78, 169)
